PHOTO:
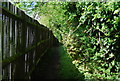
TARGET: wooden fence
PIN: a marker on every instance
(24, 42)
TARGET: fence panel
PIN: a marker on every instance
(24, 42)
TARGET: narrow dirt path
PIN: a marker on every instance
(56, 65)
(48, 67)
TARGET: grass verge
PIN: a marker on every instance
(67, 69)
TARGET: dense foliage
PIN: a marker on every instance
(91, 33)
(96, 49)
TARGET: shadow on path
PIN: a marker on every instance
(48, 67)
(56, 64)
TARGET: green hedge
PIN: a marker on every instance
(95, 45)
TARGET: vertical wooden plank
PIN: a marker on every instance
(17, 63)
(9, 73)
(19, 72)
(12, 43)
(35, 56)
(8, 38)
(1, 31)
(8, 6)
(31, 60)
(16, 35)
(5, 37)
(5, 73)
(15, 10)
(34, 36)
(25, 63)
(23, 44)
(5, 45)
(2, 41)
(10, 46)
(13, 67)
(13, 36)
(27, 37)
(30, 35)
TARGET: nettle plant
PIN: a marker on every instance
(95, 45)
